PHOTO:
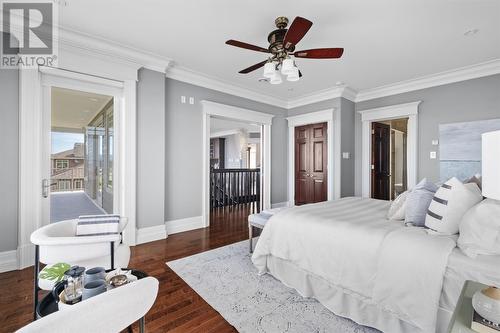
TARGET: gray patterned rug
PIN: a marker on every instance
(228, 281)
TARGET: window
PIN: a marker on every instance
(109, 143)
(62, 164)
(78, 184)
(64, 184)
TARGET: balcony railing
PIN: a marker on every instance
(234, 186)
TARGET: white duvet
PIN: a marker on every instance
(350, 243)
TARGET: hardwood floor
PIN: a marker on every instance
(177, 308)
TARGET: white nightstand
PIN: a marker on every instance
(462, 316)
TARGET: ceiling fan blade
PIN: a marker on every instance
(328, 53)
(299, 27)
(252, 68)
(300, 73)
(246, 46)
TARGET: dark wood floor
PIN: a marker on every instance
(177, 308)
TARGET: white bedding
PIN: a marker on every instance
(350, 243)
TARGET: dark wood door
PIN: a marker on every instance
(310, 163)
(381, 168)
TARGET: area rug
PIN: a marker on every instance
(227, 280)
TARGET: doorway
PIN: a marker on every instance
(311, 156)
(235, 170)
(81, 156)
(389, 158)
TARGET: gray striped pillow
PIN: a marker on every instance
(98, 225)
(451, 201)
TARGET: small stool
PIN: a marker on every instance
(257, 221)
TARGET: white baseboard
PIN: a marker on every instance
(181, 225)
(8, 261)
(280, 204)
(150, 234)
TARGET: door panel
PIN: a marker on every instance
(381, 169)
(310, 163)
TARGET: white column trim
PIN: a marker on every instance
(333, 120)
(211, 109)
(406, 110)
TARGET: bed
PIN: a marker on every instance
(358, 264)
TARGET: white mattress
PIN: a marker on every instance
(484, 269)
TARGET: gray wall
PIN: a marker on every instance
(9, 165)
(346, 108)
(150, 149)
(470, 100)
(183, 150)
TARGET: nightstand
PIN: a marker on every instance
(462, 316)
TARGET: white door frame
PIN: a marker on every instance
(332, 118)
(34, 100)
(406, 110)
(211, 109)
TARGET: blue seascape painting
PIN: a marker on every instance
(460, 148)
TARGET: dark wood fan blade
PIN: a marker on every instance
(300, 73)
(252, 68)
(246, 46)
(299, 27)
(329, 53)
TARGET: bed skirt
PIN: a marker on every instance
(343, 302)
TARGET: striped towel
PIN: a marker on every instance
(97, 225)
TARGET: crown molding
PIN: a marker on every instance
(101, 47)
(323, 95)
(183, 74)
(451, 76)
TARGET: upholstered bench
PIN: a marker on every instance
(259, 221)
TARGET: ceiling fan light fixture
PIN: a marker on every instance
(269, 70)
(294, 75)
(276, 78)
(287, 66)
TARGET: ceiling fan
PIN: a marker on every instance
(282, 42)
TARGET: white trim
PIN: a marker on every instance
(211, 109)
(186, 224)
(333, 120)
(151, 234)
(224, 133)
(234, 112)
(8, 261)
(280, 204)
(455, 75)
(109, 50)
(407, 110)
(323, 95)
(202, 80)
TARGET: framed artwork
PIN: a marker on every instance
(460, 147)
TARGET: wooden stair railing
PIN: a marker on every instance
(234, 186)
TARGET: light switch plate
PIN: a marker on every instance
(183, 99)
(435, 142)
(191, 100)
(346, 155)
(433, 155)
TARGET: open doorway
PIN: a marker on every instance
(235, 169)
(389, 158)
(81, 158)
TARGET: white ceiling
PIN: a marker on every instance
(73, 109)
(385, 41)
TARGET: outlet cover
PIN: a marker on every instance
(191, 100)
(433, 155)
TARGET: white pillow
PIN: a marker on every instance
(480, 229)
(398, 207)
(451, 201)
